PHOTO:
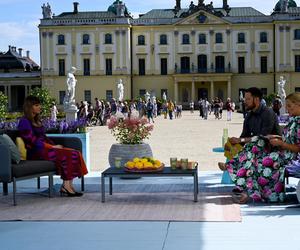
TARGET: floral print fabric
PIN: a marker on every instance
(259, 167)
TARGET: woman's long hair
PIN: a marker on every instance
(30, 101)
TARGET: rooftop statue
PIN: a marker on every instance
(46, 11)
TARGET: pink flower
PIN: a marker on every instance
(278, 187)
(267, 192)
(229, 169)
(256, 196)
(255, 150)
(249, 184)
(241, 172)
(275, 176)
(262, 181)
(275, 165)
(242, 158)
(249, 173)
(267, 161)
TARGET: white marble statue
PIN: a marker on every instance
(153, 99)
(282, 94)
(54, 112)
(69, 101)
(120, 90)
(46, 11)
(164, 97)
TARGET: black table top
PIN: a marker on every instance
(165, 171)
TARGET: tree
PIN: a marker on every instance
(45, 98)
(3, 106)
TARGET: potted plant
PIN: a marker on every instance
(130, 133)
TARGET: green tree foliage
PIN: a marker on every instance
(3, 105)
(45, 98)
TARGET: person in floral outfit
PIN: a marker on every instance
(258, 170)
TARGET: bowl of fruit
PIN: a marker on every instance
(144, 165)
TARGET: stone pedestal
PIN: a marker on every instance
(71, 114)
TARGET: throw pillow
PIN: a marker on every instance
(21, 147)
(15, 154)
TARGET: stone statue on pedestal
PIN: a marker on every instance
(46, 11)
(164, 97)
(120, 90)
(147, 96)
(69, 100)
(282, 94)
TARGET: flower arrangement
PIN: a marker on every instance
(130, 130)
(63, 127)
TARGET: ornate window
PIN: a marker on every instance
(241, 38)
(86, 39)
(163, 39)
(141, 40)
(297, 34)
(108, 39)
(60, 39)
(202, 39)
(185, 39)
(263, 37)
(219, 38)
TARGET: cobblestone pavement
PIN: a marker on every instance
(188, 137)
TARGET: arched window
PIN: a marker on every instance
(60, 39)
(297, 34)
(163, 39)
(185, 39)
(241, 38)
(141, 40)
(263, 37)
(86, 39)
(219, 38)
(202, 39)
(185, 64)
(108, 39)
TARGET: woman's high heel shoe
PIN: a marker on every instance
(222, 166)
(64, 191)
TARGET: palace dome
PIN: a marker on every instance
(291, 3)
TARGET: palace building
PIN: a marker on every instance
(200, 51)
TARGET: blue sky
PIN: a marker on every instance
(19, 18)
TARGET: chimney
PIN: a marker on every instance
(27, 54)
(20, 52)
(75, 11)
(178, 5)
(225, 4)
(9, 47)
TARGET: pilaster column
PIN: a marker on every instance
(176, 91)
(193, 90)
(229, 88)
(212, 90)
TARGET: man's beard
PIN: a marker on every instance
(250, 107)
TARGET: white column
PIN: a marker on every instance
(176, 91)
(212, 94)
(229, 88)
(193, 90)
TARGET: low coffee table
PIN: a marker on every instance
(167, 172)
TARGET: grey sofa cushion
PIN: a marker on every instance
(25, 168)
(7, 141)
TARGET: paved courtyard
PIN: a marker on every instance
(188, 137)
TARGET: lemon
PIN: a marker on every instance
(130, 164)
(136, 159)
(144, 160)
(138, 165)
(157, 162)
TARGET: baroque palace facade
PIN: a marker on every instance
(201, 51)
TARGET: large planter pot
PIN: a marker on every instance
(127, 152)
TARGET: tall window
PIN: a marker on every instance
(163, 39)
(142, 92)
(241, 38)
(108, 39)
(297, 34)
(108, 66)
(61, 67)
(86, 67)
(185, 64)
(164, 66)
(264, 64)
(86, 39)
(62, 94)
(185, 39)
(263, 37)
(87, 96)
(60, 39)
(297, 63)
(202, 64)
(219, 38)
(241, 64)
(109, 95)
(202, 39)
(141, 67)
(141, 40)
(220, 64)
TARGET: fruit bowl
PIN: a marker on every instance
(145, 170)
(143, 165)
